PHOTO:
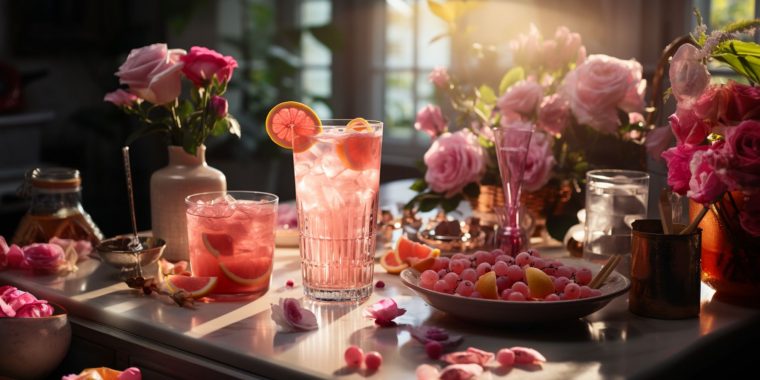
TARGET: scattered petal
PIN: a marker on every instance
(471, 356)
(425, 334)
(461, 372)
(289, 315)
(427, 372)
(525, 355)
(384, 311)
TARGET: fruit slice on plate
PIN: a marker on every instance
(408, 249)
(218, 244)
(421, 265)
(539, 283)
(196, 286)
(293, 125)
(360, 150)
(486, 285)
(392, 263)
(245, 271)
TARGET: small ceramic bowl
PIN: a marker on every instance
(33, 347)
(116, 252)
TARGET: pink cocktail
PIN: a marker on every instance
(337, 179)
(231, 237)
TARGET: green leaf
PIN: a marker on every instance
(234, 126)
(472, 190)
(444, 11)
(743, 57)
(428, 203)
(220, 126)
(419, 185)
(512, 76)
(451, 204)
(487, 95)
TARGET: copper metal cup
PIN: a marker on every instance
(665, 272)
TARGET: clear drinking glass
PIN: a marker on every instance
(231, 237)
(337, 179)
(614, 200)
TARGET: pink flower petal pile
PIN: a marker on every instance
(15, 303)
(290, 316)
(57, 256)
(132, 373)
(384, 312)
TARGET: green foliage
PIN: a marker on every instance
(743, 57)
(512, 76)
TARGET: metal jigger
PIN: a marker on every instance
(131, 252)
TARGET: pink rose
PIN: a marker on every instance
(439, 77)
(471, 356)
(523, 98)
(704, 186)
(554, 114)
(14, 257)
(657, 140)
(600, 87)
(737, 161)
(289, 315)
(431, 121)
(746, 101)
(679, 172)
(568, 45)
(202, 64)
(45, 258)
(749, 217)
(36, 309)
(453, 161)
(539, 162)
(21, 304)
(526, 49)
(83, 248)
(153, 73)
(219, 106)
(688, 127)
(712, 104)
(121, 98)
(688, 75)
(384, 312)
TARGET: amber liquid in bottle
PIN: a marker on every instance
(40, 228)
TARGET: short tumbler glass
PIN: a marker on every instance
(231, 237)
(614, 200)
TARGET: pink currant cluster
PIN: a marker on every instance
(460, 274)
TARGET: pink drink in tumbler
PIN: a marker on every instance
(231, 237)
(337, 180)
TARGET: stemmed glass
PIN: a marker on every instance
(512, 152)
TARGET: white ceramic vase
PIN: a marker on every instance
(184, 175)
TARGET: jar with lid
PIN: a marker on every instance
(56, 208)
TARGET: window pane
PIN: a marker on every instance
(313, 52)
(399, 49)
(425, 89)
(437, 53)
(316, 82)
(724, 12)
(315, 12)
(399, 104)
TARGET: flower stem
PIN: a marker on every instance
(694, 223)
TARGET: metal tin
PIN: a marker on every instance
(665, 272)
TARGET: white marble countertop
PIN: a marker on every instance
(610, 343)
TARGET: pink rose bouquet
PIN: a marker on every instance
(152, 80)
(717, 126)
(587, 111)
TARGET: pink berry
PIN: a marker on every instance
(458, 256)
(572, 291)
(502, 282)
(465, 288)
(290, 283)
(505, 294)
(537, 262)
(498, 252)
(442, 273)
(442, 286)
(475, 294)
(505, 357)
(469, 274)
(440, 263)
(433, 349)
(585, 291)
(516, 296)
(380, 284)
(481, 257)
(583, 276)
(515, 273)
(452, 279)
(354, 356)
(561, 282)
(564, 271)
(482, 269)
(458, 265)
(522, 259)
(552, 297)
(428, 277)
(521, 287)
(504, 258)
(500, 268)
(373, 360)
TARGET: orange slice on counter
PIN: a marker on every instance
(407, 250)
(293, 125)
(392, 263)
(196, 286)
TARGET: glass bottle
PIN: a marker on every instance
(56, 208)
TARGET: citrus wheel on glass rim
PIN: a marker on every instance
(361, 148)
(293, 125)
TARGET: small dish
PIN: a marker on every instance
(287, 237)
(116, 252)
(464, 242)
(525, 312)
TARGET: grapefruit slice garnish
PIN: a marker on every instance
(486, 285)
(358, 124)
(218, 244)
(408, 250)
(392, 263)
(196, 286)
(255, 272)
(293, 125)
(421, 265)
(359, 151)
